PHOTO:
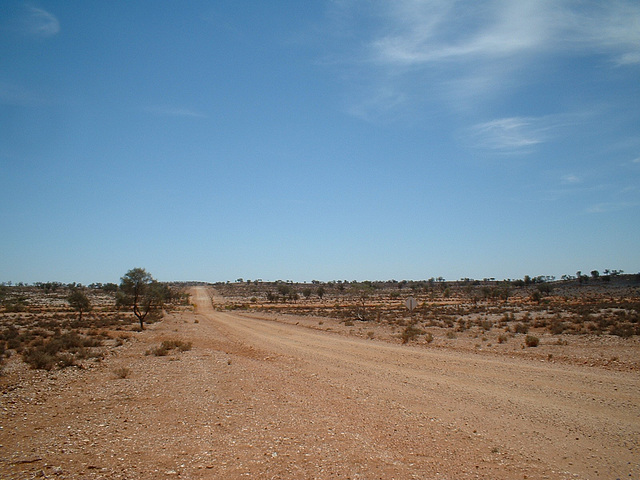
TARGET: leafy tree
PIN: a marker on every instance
(79, 302)
(286, 291)
(595, 274)
(141, 292)
(110, 287)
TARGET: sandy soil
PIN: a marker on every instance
(258, 398)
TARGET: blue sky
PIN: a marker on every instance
(320, 140)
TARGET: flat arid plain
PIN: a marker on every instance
(284, 381)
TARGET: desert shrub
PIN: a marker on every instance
(502, 338)
(462, 325)
(531, 341)
(556, 327)
(15, 344)
(486, 325)
(71, 342)
(10, 332)
(177, 344)
(520, 328)
(169, 345)
(15, 306)
(122, 372)
(410, 332)
(62, 350)
(540, 322)
(36, 358)
(624, 330)
(65, 360)
(160, 351)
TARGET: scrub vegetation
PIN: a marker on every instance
(53, 325)
(597, 304)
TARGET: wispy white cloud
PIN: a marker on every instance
(24, 20)
(507, 134)
(571, 179)
(521, 135)
(423, 31)
(41, 23)
(478, 48)
(628, 58)
(431, 31)
(175, 112)
(612, 28)
(516, 134)
(607, 207)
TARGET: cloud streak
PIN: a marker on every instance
(42, 23)
(508, 134)
(423, 31)
(426, 31)
(521, 135)
(571, 179)
(466, 50)
(607, 207)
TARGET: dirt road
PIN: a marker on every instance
(263, 399)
